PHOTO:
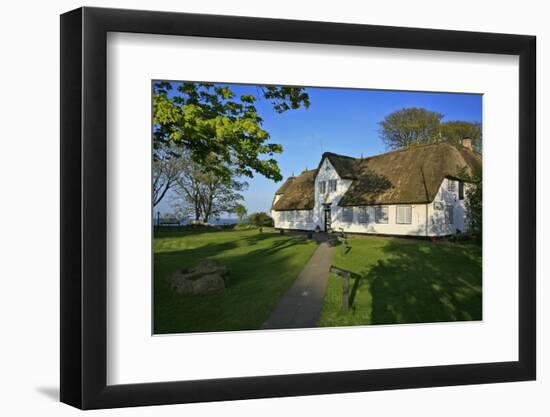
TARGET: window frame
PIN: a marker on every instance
(397, 214)
(378, 209)
(347, 210)
(449, 214)
(461, 190)
(322, 187)
(332, 189)
(363, 211)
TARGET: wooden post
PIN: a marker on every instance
(345, 275)
(345, 291)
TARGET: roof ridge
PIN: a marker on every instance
(337, 154)
(415, 146)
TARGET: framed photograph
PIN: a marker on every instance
(257, 208)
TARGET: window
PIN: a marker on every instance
(381, 214)
(347, 214)
(309, 216)
(322, 187)
(404, 215)
(450, 185)
(282, 216)
(460, 190)
(332, 184)
(449, 215)
(363, 216)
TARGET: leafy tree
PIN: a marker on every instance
(240, 211)
(410, 126)
(474, 202)
(201, 194)
(455, 131)
(474, 207)
(222, 132)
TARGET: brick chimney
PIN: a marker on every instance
(467, 143)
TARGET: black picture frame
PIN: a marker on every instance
(84, 207)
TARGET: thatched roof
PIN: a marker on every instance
(345, 166)
(282, 189)
(411, 175)
(408, 176)
(298, 193)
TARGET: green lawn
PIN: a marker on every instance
(262, 267)
(405, 281)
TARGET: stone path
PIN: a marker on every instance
(301, 305)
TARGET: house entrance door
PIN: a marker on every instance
(328, 218)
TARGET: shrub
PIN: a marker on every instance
(244, 226)
(261, 219)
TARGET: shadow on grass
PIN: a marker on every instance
(423, 283)
(358, 281)
(262, 266)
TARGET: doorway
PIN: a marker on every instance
(328, 217)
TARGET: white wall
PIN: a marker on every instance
(446, 197)
(415, 228)
(327, 173)
(294, 219)
(29, 303)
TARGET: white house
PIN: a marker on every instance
(415, 191)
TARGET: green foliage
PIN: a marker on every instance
(413, 126)
(240, 211)
(261, 219)
(474, 208)
(455, 131)
(218, 129)
(410, 126)
(245, 226)
(474, 202)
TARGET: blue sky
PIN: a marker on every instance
(343, 121)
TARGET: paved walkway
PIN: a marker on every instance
(301, 305)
